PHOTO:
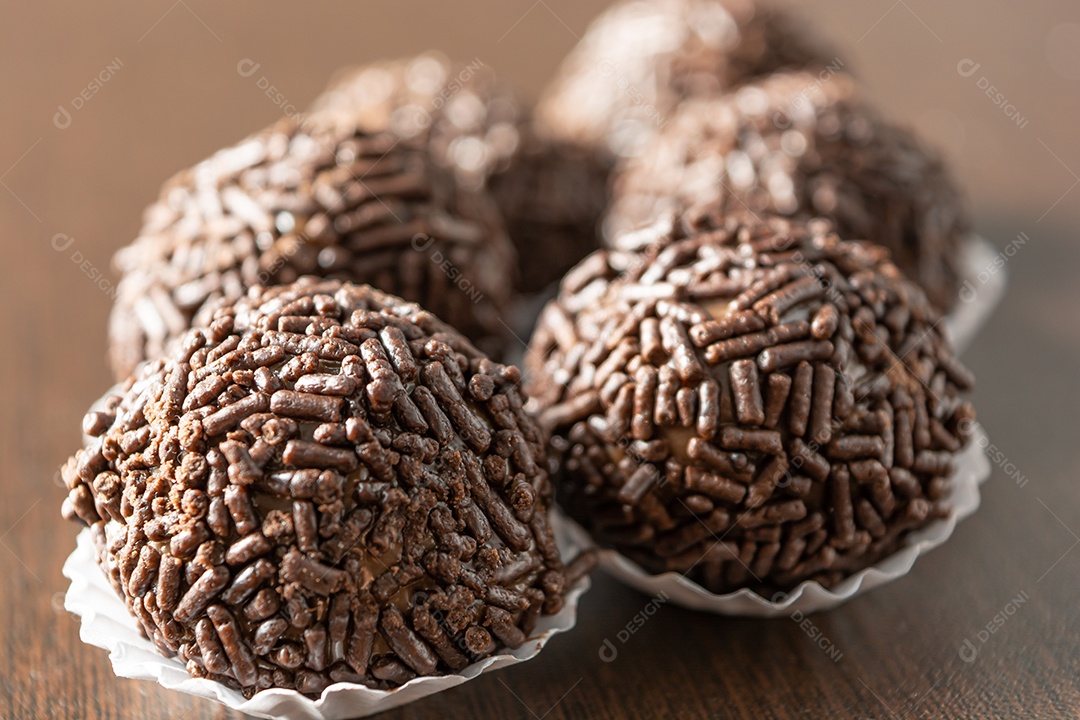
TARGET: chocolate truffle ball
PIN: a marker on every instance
(641, 58)
(551, 195)
(753, 405)
(325, 484)
(310, 195)
(800, 143)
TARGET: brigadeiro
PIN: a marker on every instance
(472, 124)
(800, 143)
(315, 194)
(640, 59)
(324, 484)
(752, 404)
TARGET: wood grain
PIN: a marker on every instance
(892, 653)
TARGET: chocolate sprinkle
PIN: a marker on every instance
(373, 508)
(815, 443)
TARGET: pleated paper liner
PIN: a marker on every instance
(106, 624)
(982, 289)
(972, 468)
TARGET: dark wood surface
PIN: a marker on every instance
(175, 96)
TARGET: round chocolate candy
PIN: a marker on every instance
(640, 59)
(550, 194)
(800, 143)
(311, 195)
(324, 484)
(755, 404)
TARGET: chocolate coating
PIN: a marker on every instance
(640, 59)
(800, 143)
(324, 484)
(753, 405)
(310, 195)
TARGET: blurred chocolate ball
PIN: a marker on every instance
(614, 92)
(551, 195)
(640, 59)
(311, 195)
(799, 143)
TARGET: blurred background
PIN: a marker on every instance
(103, 101)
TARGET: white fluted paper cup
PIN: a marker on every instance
(106, 624)
(972, 468)
(982, 287)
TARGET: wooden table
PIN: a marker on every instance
(173, 94)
